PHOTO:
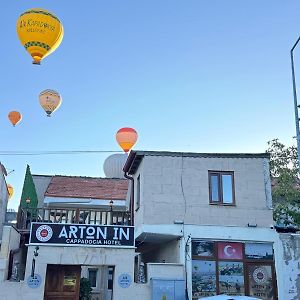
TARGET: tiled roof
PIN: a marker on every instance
(87, 187)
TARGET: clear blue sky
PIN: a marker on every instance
(200, 76)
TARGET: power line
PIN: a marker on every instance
(69, 152)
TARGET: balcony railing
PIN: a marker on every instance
(71, 215)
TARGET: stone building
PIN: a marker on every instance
(176, 226)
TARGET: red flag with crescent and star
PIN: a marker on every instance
(230, 250)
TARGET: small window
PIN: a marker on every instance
(93, 277)
(138, 192)
(221, 188)
(110, 281)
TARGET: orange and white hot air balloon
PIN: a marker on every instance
(14, 117)
(126, 138)
(10, 190)
(50, 100)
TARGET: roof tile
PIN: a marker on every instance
(87, 187)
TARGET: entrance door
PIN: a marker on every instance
(62, 282)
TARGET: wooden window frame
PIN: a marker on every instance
(245, 261)
(220, 187)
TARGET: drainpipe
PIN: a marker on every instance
(131, 201)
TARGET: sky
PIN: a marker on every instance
(195, 76)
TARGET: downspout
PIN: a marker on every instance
(131, 201)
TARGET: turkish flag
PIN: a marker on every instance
(230, 250)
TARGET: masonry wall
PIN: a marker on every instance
(177, 188)
(290, 267)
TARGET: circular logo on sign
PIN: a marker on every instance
(124, 280)
(259, 275)
(35, 281)
(44, 233)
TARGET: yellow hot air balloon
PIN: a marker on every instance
(15, 117)
(50, 100)
(10, 190)
(126, 138)
(40, 32)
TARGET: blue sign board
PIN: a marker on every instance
(35, 281)
(124, 280)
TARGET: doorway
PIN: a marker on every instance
(62, 282)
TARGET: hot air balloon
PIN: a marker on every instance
(15, 117)
(50, 100)
(40, 32)
(126, 138)
(10, 190)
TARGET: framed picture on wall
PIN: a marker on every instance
(203, 278)
(261, 251)
(228, 250)
(203, 249)
(261, 281)
(231, 278)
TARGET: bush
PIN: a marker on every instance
(85, 289)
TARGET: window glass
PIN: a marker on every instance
(203, 249)
(93, 277)
(110, 281)
(259, 251)
(261, 281)
(228, 250)
(203, 278)
(227, 188)
(214, 182)
(231, 278)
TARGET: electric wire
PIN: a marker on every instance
(57, 152)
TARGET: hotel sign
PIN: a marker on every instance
(59, 234)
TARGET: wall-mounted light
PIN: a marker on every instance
(252, 225)
(178, 222)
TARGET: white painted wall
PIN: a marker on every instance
(3, 201)
(10, 241)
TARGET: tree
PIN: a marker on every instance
(285, 183)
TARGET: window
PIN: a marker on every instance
(138, 192)
(221, 188)
(92, 273)
(233, 268)
(110, 281)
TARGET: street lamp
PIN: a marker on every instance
(296, 106)
(27, 202)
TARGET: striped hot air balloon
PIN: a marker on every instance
(126, 138)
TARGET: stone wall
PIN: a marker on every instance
(291, 265)
(177, 188)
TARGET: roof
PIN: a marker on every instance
(135, 157)
(87, 187)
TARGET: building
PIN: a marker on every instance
(211, 213)
(3, 197)
(176, 226)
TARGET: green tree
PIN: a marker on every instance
(285, 183)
